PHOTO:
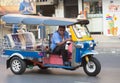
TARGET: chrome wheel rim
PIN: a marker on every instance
(91, 67)
(16, 65)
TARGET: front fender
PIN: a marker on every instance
(89, 52)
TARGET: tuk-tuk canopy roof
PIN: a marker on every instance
(13, 18)
(37, 20)
(54, 21)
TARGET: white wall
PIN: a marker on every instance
(95, 25)
(59, 10)
(111, 17)
(79, 5)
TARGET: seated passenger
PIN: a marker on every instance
(22, 29)
(58, 42)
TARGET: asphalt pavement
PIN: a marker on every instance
(110, 73)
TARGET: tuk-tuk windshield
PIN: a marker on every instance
(81, 31)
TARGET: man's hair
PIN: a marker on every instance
(62, 27)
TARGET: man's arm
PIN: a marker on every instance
(63, 42)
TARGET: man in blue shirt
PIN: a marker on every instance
(58, 42)
(26, 7)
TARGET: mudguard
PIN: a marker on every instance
(89, 52)
(81, 53)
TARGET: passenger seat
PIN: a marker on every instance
(24, 41)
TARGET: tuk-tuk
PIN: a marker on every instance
(24, 52)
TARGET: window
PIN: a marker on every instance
(92, 6)
(80, 31)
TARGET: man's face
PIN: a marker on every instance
(61, 30)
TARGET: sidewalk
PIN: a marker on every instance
(106, 39)
(107, 44)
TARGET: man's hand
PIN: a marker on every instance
(63, 42)
(68, 40)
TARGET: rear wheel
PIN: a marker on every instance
(17, 65)
(92, 67)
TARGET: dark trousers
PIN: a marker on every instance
(60, 50)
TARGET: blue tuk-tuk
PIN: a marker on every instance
(24, 52)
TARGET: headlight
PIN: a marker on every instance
(91, 44)
(79, 45)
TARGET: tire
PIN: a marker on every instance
(17, 65)
(94, 67)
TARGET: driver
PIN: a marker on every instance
(58, 42)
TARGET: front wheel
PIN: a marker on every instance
(92, 67)
(17, 65)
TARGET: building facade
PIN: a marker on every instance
(71, 8)
(104, 15)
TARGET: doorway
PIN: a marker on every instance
(47, 10)
(70, 8)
